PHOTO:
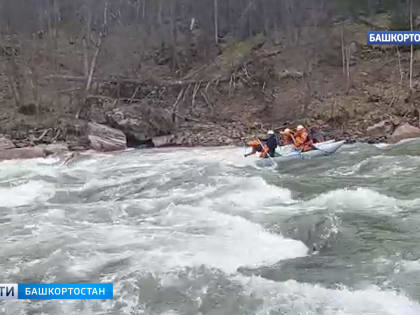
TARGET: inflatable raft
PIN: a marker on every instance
(287, 153)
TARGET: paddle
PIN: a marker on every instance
(269, 156)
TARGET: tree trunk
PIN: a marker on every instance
(173, 36)
(13, 77)
(348, 57)
(399, 66)
(216, 21)
(93, 64)
(412, 49)
(343, 53)
(85, 56)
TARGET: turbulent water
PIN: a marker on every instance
(204, 231)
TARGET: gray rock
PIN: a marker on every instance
(6, 143)
(141, 123)
(105, 139)
(163, 141)
(382, 128)
(405, 131)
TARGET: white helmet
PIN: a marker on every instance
(300, 127)
(270, 132)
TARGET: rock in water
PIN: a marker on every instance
(105, 139)
(6, 143)
(163, 141)
(405, 131)
(383, 128)
(141, 123)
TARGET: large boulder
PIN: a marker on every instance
(6, 143)
(105, 139)
(164, 141)
(141, 123)
(405, 131)
(383, 128)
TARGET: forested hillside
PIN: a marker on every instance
(202, 71)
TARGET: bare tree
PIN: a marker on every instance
(411, 48)
(216, 21)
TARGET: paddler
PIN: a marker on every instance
(267, 146)
(287, 136)
(302, 140)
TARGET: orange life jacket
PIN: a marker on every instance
(287, 139)
(254, 143)
(303, 143)
(264, 152)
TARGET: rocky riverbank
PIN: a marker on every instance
(122, 129)
(234, 95)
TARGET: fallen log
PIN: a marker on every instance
(171, 83)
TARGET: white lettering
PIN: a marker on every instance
(76, 291)
(372, 38)
(101, 291)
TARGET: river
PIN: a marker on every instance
(204, 231)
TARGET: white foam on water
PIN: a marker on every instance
(359, 199)
(185, 236)
(186, 225)
(25, 194)
(292, 298)
(13, 169)
(251, 193)
(228, 155)
(378, 166)
(410, 265)
(231, 242)
(381, 145)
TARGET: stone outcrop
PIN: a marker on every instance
(164, 141)
(105, 139)
(141, 123)
(405, 131)
(383, 128)
(6, 143)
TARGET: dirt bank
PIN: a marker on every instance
(248, 87)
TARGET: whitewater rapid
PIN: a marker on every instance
(204, 231)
